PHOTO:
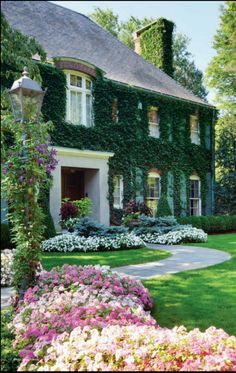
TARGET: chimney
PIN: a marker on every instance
(154, 43)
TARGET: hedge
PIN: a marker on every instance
(211, 224)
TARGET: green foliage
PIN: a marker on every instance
(106, 19)
(185, 71)
(225, 157)
(163, 208)
(156, 45)
(16, 52)
(6, 242)
(54, 103)
(116, 217)
(25, 171)
(84, 207)
(131, 25)
(211, 224)
(10, 359)
(222, 68)
(49, 228)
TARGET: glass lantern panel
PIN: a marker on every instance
(16, 105)
(31, 106)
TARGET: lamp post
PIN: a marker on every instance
(26, 98)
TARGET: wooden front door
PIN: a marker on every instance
(72, 183)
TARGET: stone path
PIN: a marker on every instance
(183, 258)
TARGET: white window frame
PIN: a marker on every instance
(154, 127)
(151, 200)
(117, 110)
(196, 200)
(195, 132)
(84, 92)
(120, 195)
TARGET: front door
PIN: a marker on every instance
(72, 183)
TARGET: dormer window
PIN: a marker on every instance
(194, 129)
(79, 99)
(115, 111)
(153, 120)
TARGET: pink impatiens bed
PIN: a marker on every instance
(88, 318)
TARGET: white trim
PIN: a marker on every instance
(82, 153)
(194, 177)
(198, 199)
(121, 190)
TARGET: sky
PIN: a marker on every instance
(198, 20)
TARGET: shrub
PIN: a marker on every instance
(68, 210)
(211, 224)
(163, 208)
(84, 206)
(137, 207)
(9, 356)
(71, 242)
(89, 227)
(116, 216)
(48, 223)
(6, 237)
(175, 237)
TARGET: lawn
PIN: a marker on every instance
(111, 258)
(199, 298)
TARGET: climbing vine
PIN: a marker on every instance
(135, 152)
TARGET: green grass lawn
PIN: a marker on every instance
(199, 298)
(111, 258)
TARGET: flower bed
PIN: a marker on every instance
(175, 237)
(6, 267)
(72, 242)
(89, 318)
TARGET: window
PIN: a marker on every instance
(195, 196)
(118, 192)
(154, 119)
(79, 99)
(153, 191)
(115, 110)
(194, 129)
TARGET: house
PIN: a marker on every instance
(124, 129)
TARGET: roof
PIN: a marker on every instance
(63, 32)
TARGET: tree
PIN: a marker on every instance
(221, 75)
(185, 70)
(221, 71)
(225, 193)
(163, 207)
(106, 19)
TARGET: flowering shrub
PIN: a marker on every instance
(138, 348)
(134, 206)
(71, 242)
(6, 267)
(89, 318)
(175, 237)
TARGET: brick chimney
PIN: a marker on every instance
(154, 43)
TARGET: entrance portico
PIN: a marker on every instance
(81, 173)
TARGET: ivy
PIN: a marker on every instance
(156, 45)
(129, 138)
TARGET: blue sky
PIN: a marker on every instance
(199, 20)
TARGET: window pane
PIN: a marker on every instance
(89, 110)
(76, 81)
(154, 130)
(153, 114)
(194, 189)
(118, 191)
(88, 84)
(153, 187)
(75, 107)
(194, 207)
(115, 110)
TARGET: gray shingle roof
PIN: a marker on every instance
(63, 32)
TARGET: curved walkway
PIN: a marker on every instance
(183, 258)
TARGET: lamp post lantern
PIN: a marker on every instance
(26, 97)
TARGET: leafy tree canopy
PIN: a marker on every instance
(221, 72)
(106, 19)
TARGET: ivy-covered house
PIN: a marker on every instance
(124, 129)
